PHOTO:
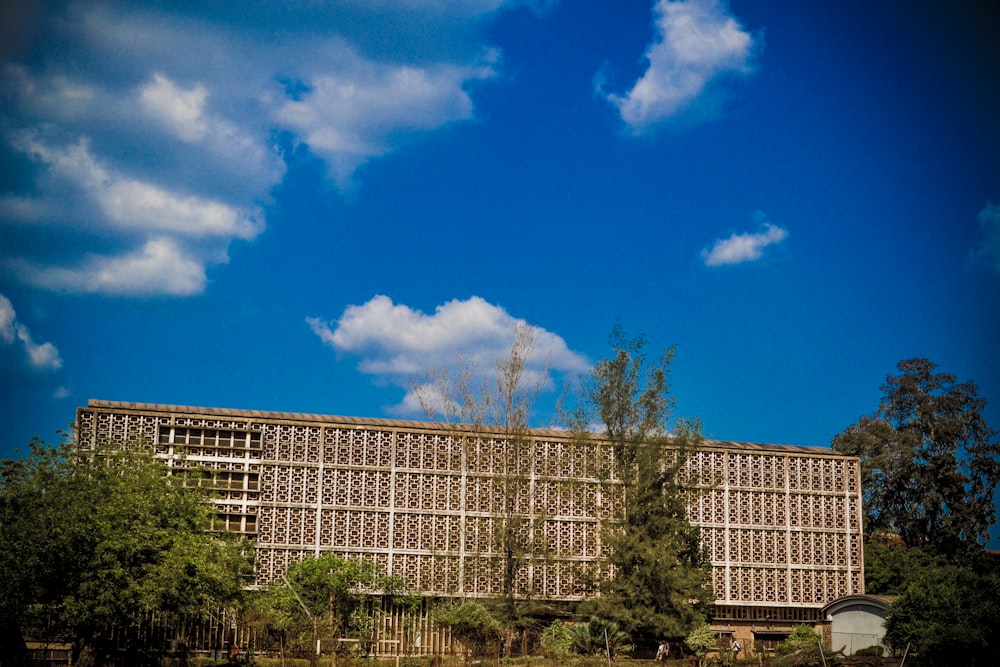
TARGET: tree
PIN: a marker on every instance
(324, 596)
(659, 586)
(947, 614)
(500, 409)
(803, 638)
(31, 537)
(470, 622)
(929, 462)
(102, 538)
(327, 586)
(802, 647)
(274, 614)
(700, 640)
(556, 641)
(889, 568)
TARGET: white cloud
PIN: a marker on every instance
(745, 247)
(696, 43)
(40, 356)
(159, 267)
(988, 251)
(8, 319)
(397, 343)
(133, 204)
(141, 142)
(163, 240)
(181, 110)
(361, 110)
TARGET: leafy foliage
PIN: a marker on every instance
(700, 640)
(470, 622)
(327, 588)
(803, 638)
(104, 537)
(323, 597)
(889, 568)
(930, 463)
(930, 468)
(600, 637)
(556, 641)
(660, 584)
(947, 614)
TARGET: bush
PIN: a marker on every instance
(556, 641)
(598, 637)
(701, 640)
(803, 638)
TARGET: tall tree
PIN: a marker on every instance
(659, 586)
(947, 614)
(930, 463)
(498, 408)
(105, 537)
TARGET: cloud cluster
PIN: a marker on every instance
(988, 251)
(697, 44)
(398, 344)
(146, 143)
(744, 247)
(13, 334)
(146, 140)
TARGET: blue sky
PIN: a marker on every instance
(299, 206)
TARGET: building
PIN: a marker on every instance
(781, 524)
(857, 622)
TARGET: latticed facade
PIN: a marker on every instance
(781, 525)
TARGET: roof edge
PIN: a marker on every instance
(707, 443)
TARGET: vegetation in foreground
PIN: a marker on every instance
(99, 538)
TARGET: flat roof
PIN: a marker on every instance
(416, 424)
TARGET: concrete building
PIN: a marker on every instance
(781, 524)
(857, 622)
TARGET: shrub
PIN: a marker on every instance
(802, 638)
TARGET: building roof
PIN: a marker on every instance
(414, 424)
(881, 602)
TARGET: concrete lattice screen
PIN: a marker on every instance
(781, 524)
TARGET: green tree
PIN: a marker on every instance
(556, 641)
(104, 538)
(803, 638)
(275, 615)
(930, 464)
(328, 587)
(659, 586)
(470, 622)
(700, 640)
(802, 647)
(889, 568)
(947, 614)
(327, 596)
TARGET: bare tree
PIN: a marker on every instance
(497, 407)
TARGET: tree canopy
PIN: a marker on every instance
(946, 614)
(930, 463)
(324, 597)
(659, 586)
(104, 537)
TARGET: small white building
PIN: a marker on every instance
(857, 621)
